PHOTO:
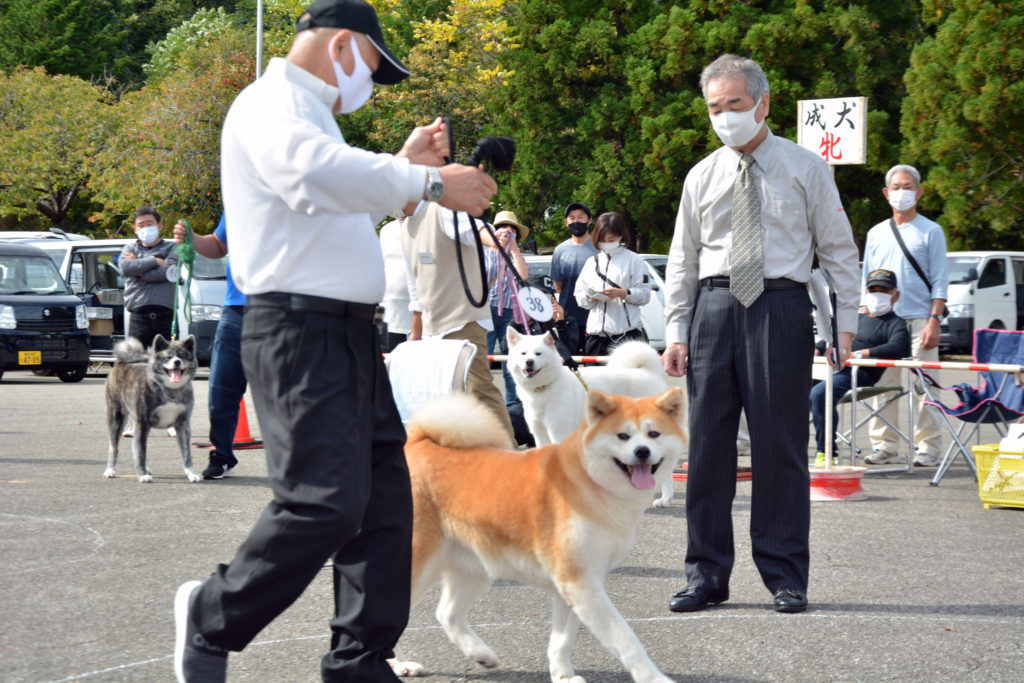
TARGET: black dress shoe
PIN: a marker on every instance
(694, 599)
(790, 600)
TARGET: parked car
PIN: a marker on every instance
(51, 234)
(986, 290)
(91, 270)
(653, 312)
(43, 326)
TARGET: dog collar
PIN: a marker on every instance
(541, 388)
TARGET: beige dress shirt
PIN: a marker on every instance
(801, 214)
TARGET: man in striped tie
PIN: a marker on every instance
(752, 216)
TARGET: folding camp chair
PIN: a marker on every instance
(998, 401)
(864, 394)
(423, 370)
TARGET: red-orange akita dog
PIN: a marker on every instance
(559, 517)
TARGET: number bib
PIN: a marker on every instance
(536, 304)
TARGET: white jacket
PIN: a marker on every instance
(625, 270)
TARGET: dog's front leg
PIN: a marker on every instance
(565, 626)
(595, 609)
(115, 422)
(139, 450)
(183, 432)
(667, 491)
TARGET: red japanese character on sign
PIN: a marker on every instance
(830, 147)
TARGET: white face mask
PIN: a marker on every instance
(355, 89)
(149, 234)
(736, 128)
(610, 248)
(901, 200)
(878, 303)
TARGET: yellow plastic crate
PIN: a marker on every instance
(1000, 476)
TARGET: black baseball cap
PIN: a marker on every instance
(541, 282)
(882, 278)
(578, 205)
(359, 16)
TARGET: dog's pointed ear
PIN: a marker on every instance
(549, 338)
(159, 343)
(190, 343)
(511, 336)
(598, 405)
(673, 404)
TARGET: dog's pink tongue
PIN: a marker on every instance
(175, 374)
(642, 477)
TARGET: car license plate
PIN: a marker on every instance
(30, 357)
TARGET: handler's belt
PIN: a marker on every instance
(307, 303)
(777, 283)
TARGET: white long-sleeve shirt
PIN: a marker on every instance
(801, 213)
(303, 203)
(617, 316)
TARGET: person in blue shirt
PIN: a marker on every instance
(227, 377)
(921, 306)
(567, 262)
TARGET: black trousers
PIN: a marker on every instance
(149, 321)
(334, 446)
(600, 345)
(757, 359)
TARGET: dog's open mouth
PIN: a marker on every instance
(642, 475)
(530, 372)
(174, 374)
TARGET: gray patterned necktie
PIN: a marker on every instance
(746, 276)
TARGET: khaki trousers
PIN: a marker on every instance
(927, 430)
(481, 383)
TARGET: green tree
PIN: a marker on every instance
(962, 121)
(167, 151)
(606, 96)
(77, 37)
(52, 131)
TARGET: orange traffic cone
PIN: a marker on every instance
(243, 439)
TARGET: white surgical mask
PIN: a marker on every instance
(901, 200)
(149, 234)
(736, 128)
(610, 248)
(355, 89)
(878, 303)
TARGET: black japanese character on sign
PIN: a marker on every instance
(814, 116)
(842, 116)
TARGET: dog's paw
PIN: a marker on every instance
(193, 477)
(485, 658)
(109, 473)
(406, 668)
(145, 478)
(660, 502)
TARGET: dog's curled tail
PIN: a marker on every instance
(636, 355)
(457, 421)
(130, 350)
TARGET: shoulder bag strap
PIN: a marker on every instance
(906, 252)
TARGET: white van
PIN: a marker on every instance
(986, 291)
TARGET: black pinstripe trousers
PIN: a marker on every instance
(757, 359)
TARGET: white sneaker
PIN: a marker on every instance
(926, 460)
(883, 458)
(128, 432)
(171, 431)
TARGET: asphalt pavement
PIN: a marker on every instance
(914, 583)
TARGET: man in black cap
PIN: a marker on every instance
(880, 334)
(566, 263)
(303, 205)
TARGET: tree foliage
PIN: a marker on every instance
(53, 131)
(962, 121)
(167, 151)
(607, 100)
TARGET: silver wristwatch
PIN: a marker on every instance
(435, 186)
(858, 354)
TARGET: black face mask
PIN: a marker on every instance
(578, 229)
